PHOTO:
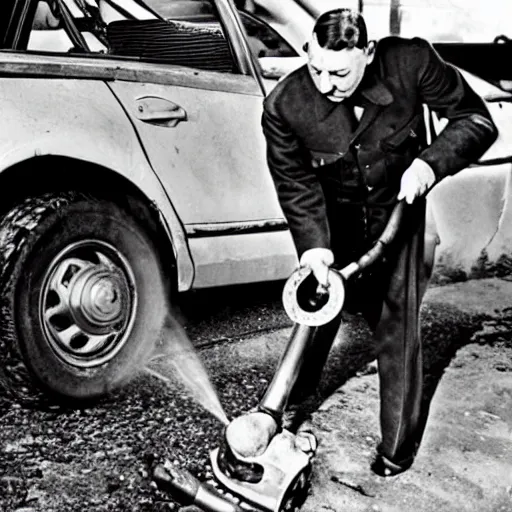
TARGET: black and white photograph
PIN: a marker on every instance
(256, 256)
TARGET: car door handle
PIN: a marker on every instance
(159, 111)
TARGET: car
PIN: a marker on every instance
(133, 169)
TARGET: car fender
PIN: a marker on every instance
(82, 119)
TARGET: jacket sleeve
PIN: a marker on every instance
(298, 189)
(470, 130)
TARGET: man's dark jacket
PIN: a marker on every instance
(320, 156)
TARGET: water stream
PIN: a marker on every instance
(176, 357)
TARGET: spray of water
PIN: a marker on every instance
(175, 353)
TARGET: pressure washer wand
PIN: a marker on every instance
(279, 390)
(188, 490)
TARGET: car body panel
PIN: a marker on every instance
(214, 158)
(26, 65)
(80, 119)
(242, 258)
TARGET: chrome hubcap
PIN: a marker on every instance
(97, 296)
(87, 303)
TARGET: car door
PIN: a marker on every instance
(197, 116)
(203, 137)
(201, 125)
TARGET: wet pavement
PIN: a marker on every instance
(100, 458)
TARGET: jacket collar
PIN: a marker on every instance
(375, 96)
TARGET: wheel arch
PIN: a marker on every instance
(27, 177)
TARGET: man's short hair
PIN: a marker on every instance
(341, 28)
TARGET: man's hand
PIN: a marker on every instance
(318, 260)
(416, 180)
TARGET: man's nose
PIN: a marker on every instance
(325, 82)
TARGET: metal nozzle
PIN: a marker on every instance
(236, 468)
(188, 490)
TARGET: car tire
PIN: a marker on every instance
(83, 297)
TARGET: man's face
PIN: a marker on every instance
(337, 74)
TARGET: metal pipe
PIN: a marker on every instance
(278, 392)
(378, 250)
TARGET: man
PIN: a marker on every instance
(346, 141)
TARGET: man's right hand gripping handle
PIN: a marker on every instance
(318, 260)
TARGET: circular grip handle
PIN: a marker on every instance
(323, 308)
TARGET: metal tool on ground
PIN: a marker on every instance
(262, 466)
(188, 490)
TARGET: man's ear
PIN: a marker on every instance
(370, 51)
(305, 46)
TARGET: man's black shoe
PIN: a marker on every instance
(382, 466)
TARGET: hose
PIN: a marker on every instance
(377, 251)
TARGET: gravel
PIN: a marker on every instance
(100, 457)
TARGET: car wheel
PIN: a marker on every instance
(83, 298)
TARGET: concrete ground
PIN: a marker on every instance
(465, 461)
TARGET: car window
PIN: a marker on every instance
(263, 39)
(189, 35)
